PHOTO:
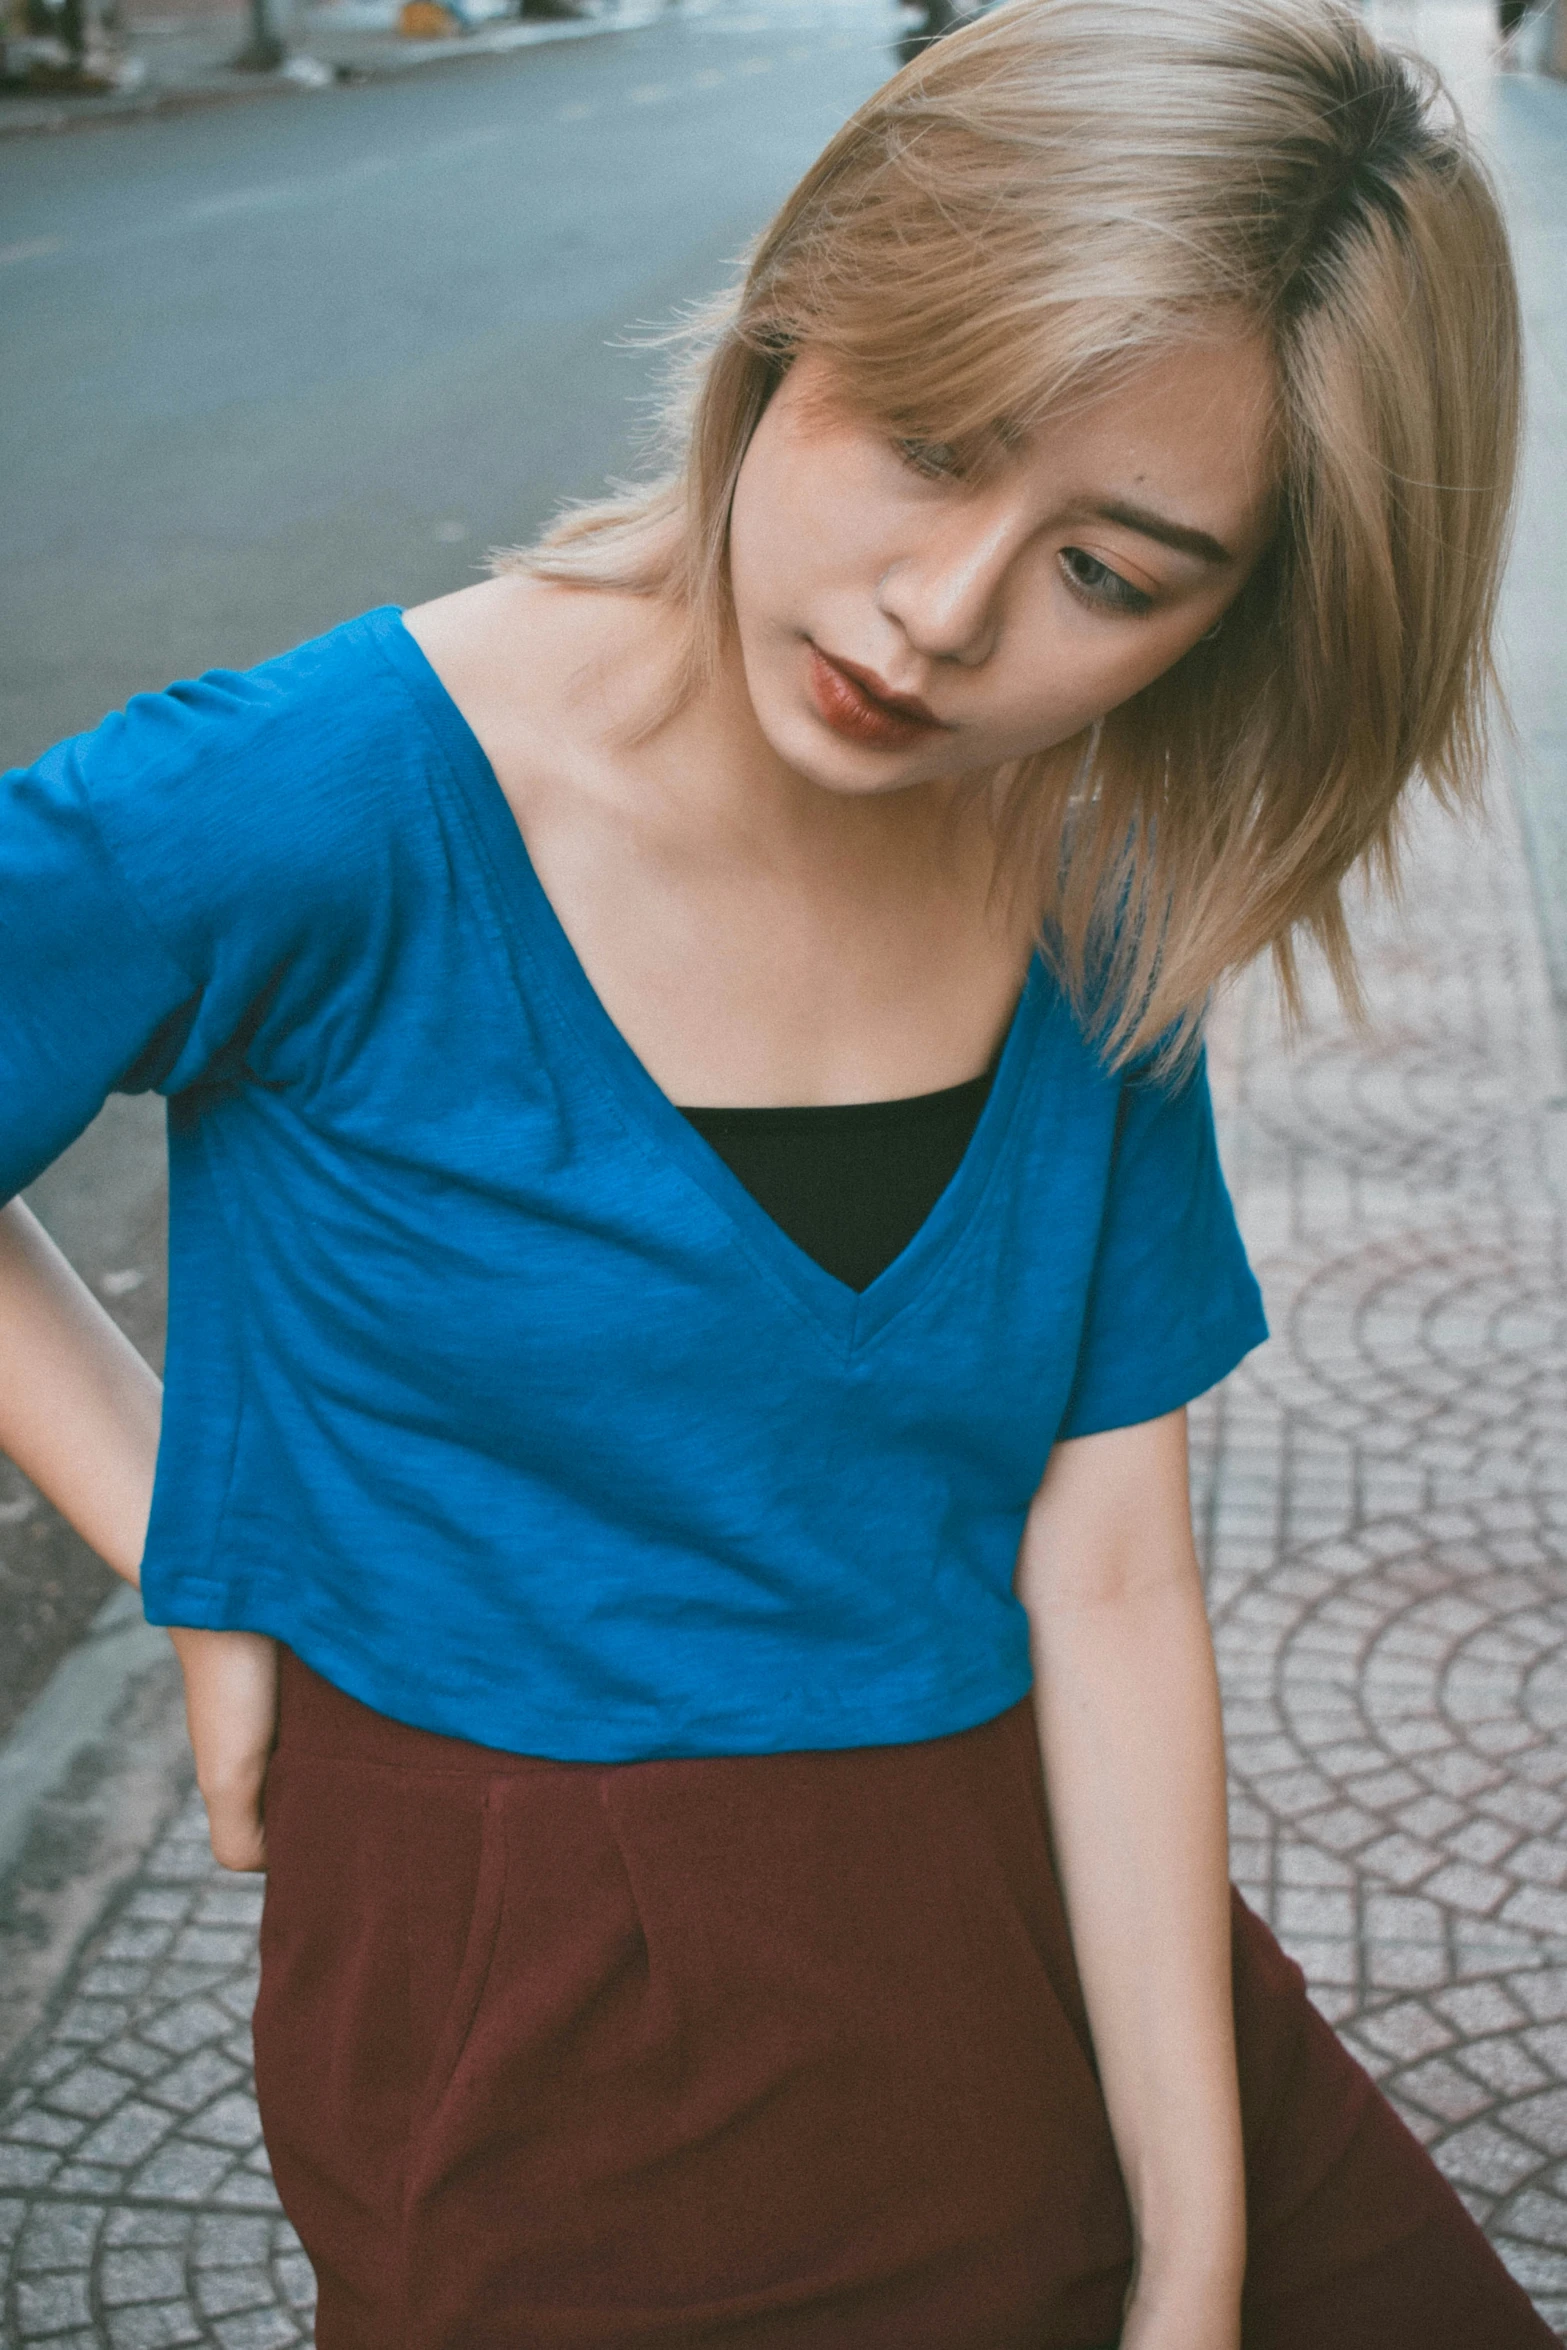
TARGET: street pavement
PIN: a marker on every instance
(1381, 1495)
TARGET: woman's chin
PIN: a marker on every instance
(854, 772)
(834, 762)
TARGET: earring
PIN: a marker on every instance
(1209, 634)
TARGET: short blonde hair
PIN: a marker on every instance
(1029, 210)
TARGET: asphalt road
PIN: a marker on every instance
(264, 366)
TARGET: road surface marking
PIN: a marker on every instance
(463, 143)
(31, 249)
(247, 200)
(650, 94)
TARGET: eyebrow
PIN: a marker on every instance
(1149, 525)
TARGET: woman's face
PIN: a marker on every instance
(900, 623)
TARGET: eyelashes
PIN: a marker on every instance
(1097, 584)
(931, 460)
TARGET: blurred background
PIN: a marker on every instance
(302, 309)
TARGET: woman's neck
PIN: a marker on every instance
(755, 937)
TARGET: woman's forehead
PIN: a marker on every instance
(1204, 406)
(1194, 431)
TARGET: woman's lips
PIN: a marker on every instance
(853, 703)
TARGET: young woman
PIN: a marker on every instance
(695, 1220)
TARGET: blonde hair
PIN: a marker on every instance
(1030, 209)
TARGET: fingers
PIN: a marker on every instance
(231, 1681)
(235, 1820)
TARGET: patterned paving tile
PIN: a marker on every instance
(1383, 1493)
(136, 2207)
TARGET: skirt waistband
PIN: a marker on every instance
(316, 1718)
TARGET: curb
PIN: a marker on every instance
(88, 1779)
(309, 69)
(74, 1709)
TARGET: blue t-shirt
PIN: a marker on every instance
(490, 1390)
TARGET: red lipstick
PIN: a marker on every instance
(854, 702)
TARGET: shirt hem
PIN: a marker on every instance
(613, 1734)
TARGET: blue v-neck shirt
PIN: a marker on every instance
(490, 1390)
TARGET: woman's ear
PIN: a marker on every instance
(776, 340)
(778, 346)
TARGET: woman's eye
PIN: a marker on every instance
(1098, 584)
(934, 460)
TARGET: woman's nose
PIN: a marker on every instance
(945, 593)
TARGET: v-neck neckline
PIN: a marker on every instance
(850, 1318)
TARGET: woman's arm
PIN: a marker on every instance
(79, 1415)
(1127, 1701)
(79, 1409)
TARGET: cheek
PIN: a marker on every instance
(747, 566)
(1076, 671)
(1156, 649)
(769, 546)
(804, 521)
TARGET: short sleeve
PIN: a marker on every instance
(91, 1000)
(195, 865)
(1173, 1304)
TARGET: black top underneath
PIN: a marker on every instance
(850, 1182)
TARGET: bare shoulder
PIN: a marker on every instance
(538, 669)
(497, 646)
(465, 634)
(525, 639)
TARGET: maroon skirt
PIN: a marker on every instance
(785, 2052)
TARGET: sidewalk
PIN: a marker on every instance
(185, 60)
(1383, 1501)
(1382, 1497)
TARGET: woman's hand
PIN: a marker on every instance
(231, 1683)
